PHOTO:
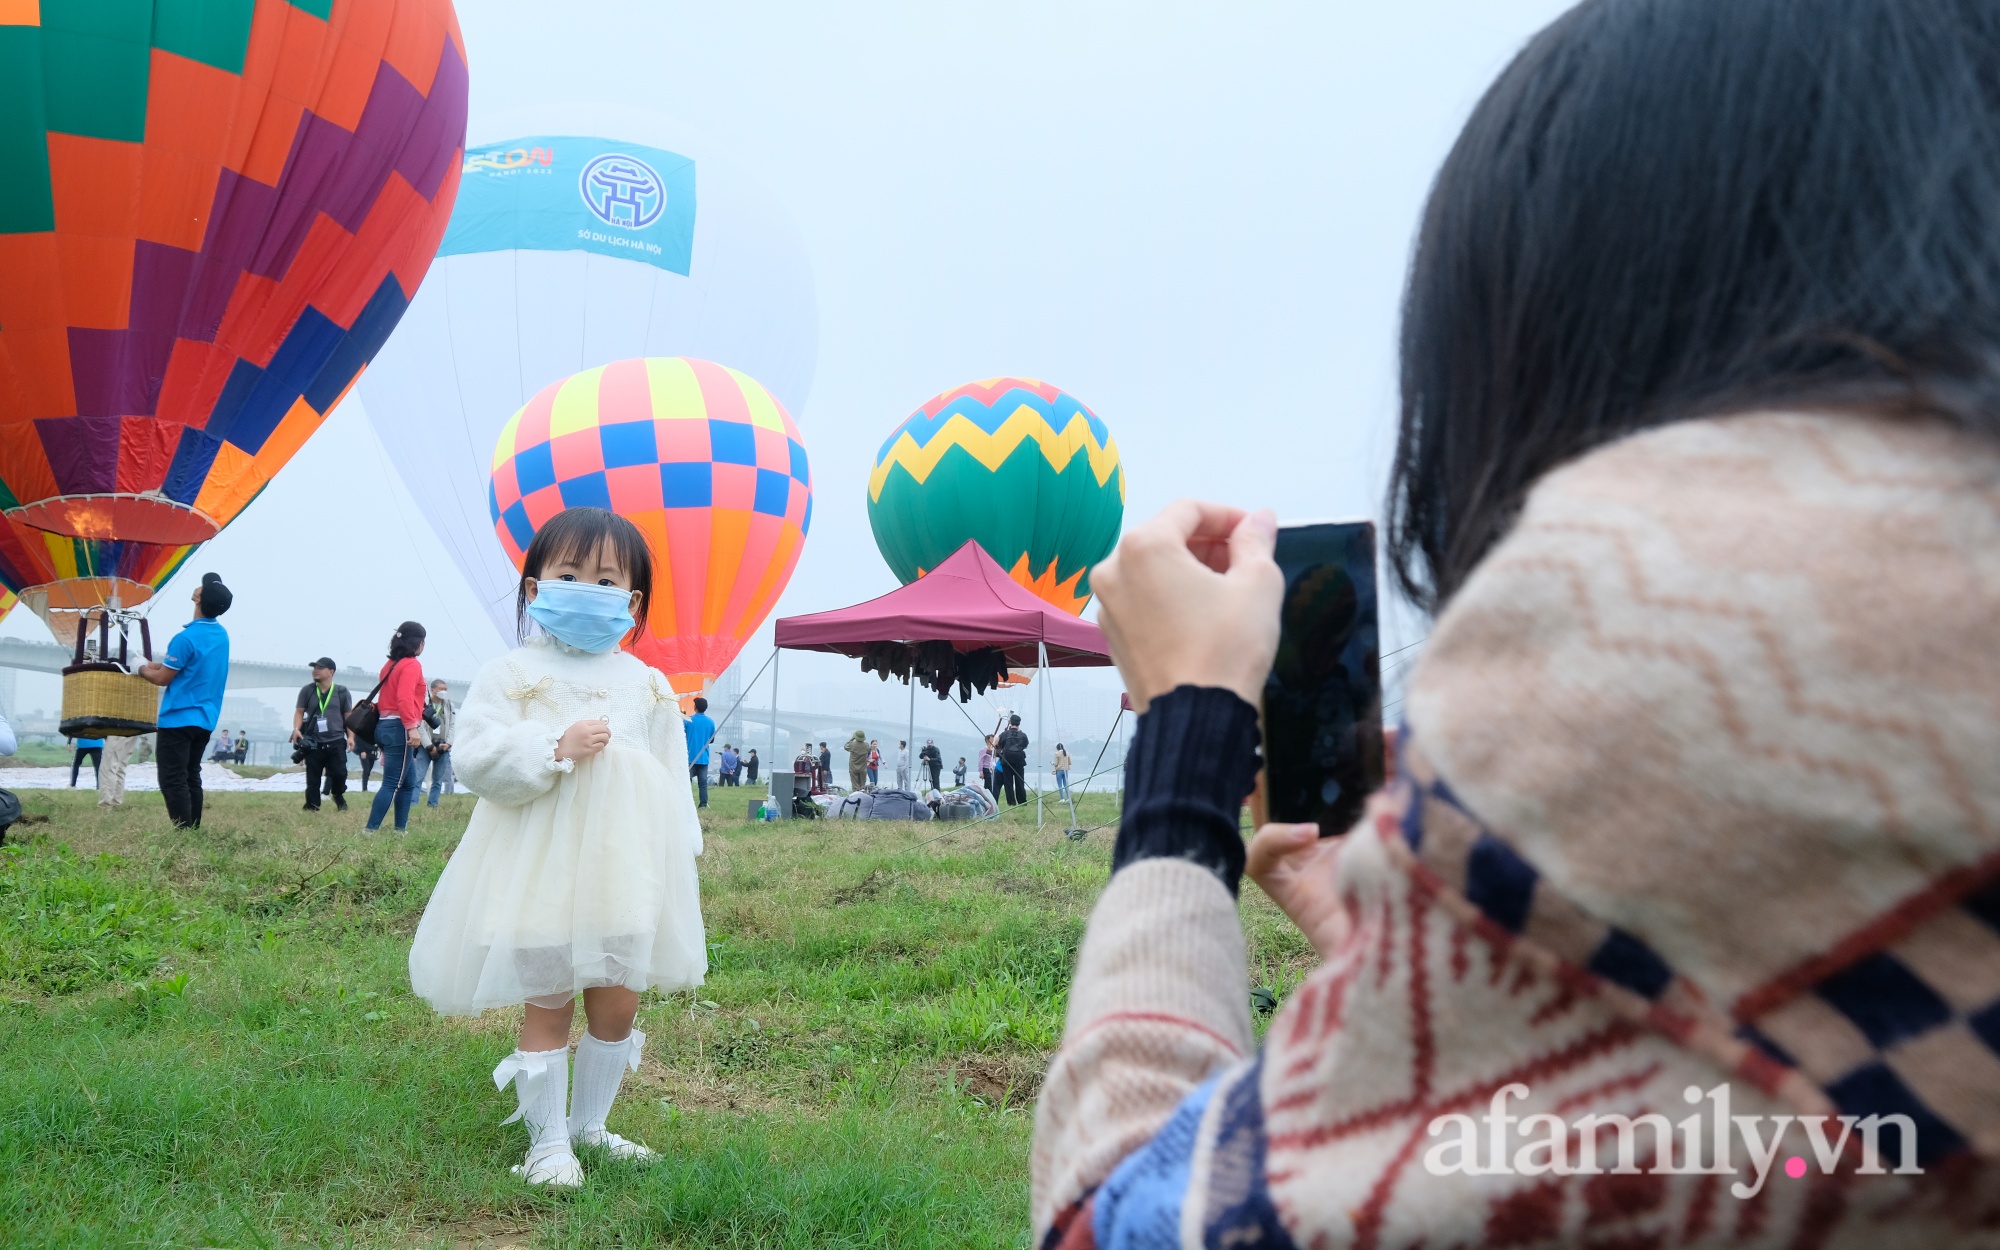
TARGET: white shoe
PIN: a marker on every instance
(617, 1147)
(555, 1168)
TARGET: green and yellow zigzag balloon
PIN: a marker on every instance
(1016, 464)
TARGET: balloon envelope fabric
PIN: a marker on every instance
(54, 572)
(214, 213)
(1014, 464)
(542, 275)
(703, 460)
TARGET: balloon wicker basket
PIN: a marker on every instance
(102, 697)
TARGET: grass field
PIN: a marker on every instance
(208, 1039)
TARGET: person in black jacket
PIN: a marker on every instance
(933, 762)
(1014, 762)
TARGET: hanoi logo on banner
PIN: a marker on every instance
(623, 191)
(573, 193)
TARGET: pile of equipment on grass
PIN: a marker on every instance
(968, 802)
(881, 805)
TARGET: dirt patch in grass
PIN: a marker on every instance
(1027, 887)
(701, 1091)
(1000, 1080)
(488, 1233)
(870, 886)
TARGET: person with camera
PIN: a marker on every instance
(320, 738)
(433, 750)
(1694, 812)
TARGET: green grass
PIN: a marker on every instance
(208, 1039)
(41, 755)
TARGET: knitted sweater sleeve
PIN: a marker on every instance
(1160, 1001)
(502, 755)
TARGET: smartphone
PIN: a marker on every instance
(1323, 700)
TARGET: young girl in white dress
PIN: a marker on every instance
(576, 874)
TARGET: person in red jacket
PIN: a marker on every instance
(400, 700)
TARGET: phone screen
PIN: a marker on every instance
(1323, 700)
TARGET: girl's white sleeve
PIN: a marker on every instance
(501, 754)
(668, 741)
(669, 746)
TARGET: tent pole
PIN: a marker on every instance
(1069, 798)
(910, 742)
(1041, 721)
(1111, 734)
(771, 764)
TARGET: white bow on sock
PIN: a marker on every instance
(600, 1069)
(541, 1080)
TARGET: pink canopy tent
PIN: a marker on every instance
(968, 601)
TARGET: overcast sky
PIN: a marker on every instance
(1196, 220)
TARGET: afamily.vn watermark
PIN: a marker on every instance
(1501, 1144)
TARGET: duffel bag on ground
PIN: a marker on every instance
(897, 805)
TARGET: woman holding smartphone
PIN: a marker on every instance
(1696, 814)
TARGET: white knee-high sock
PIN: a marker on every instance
(600, 1068)
(541, 1079)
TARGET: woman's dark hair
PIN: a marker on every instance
(576, 533)
(404, 642)
(1676, 208)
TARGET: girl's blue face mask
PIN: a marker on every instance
(585, 615)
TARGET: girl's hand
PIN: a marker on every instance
(1295, 866)
(583, 740)
(1191, 598)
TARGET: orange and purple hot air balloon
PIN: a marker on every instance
(212, 216)
(703, 460)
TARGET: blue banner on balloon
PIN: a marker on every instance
(563, 193)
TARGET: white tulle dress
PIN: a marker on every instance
(571, 874)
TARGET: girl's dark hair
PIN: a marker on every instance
(1675, 208)
(575, 533)
(404, 642)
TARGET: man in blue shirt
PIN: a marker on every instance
(194, 671)
(700, 732)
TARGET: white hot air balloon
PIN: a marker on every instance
(582, 235)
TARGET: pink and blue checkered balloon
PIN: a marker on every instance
(703, 460)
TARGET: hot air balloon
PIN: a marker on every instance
(567, 251)
(1016, 464)
(211, 218)
(708, 465)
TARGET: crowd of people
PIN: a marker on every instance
(410, 725)
(1001, 770)
(413, 729)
